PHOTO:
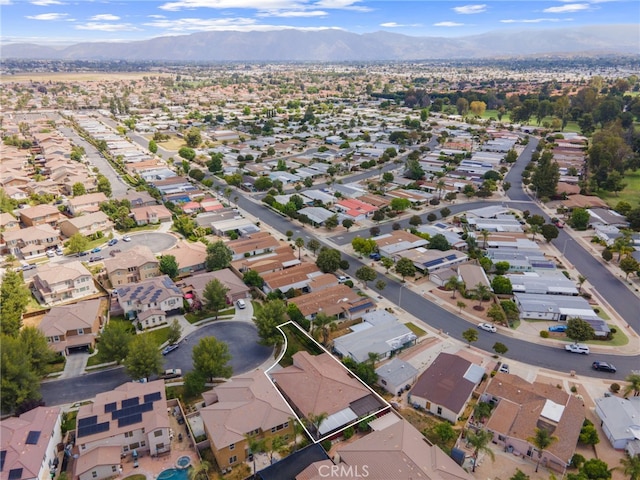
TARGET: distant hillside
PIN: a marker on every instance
(338, 45)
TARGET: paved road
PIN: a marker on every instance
(241, 337)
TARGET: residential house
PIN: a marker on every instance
(193, 286)
(396, 375)
(380, 333)
(138, 263)
(542, 282)
(428, 261)
(151, 215)
(441, 277)
(41, 215)
(619, 420)
(31, 242)
(397, 241)
(280, 258)
(8, 223)
(157, 293)
(355, 209)
(297, 277)
(339, 300)
(88, 203)
(88, 224)
(131, 417)
(73, 328)
(57, 283)
(190, 256)
(393, 449)
(139, 199)
(446, 386)
(254, 244)
(472, 276)
(294, 464)
(29, 444)
(247, 406)
(604, 216)
(453, 238)
(522, 407)
(320, 384)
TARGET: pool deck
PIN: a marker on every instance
(151, 467)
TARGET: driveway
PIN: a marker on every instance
(75, 365)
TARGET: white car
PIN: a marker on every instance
(487, 327)
(577, 348)
(126, 238)
(241, 304)
(172, 373)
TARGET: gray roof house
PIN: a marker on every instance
(395, 375)
(553, 283)
(619, 418)
(380, 333)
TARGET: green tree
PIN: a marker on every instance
(595, 469)
(364, 246)
(366, 274)
(633, 385)
(299, 244)
(496, 314)
(347, 223)
(470, 335)
(454, 284)
(589, 434)
(579, 218)
(444, 434)
(328, 260)
(175, 331)
(194, 383)
(78, 189)
(218, 256)
(631, 466)
(542, 440)
(381, 284)
(252, 278)
(215, 296)
(153, 146)
(35, 344)
(501, 267)
(500, 348)
(405, 267)
(607, 255)
(414, 170)
(545, 176)
(143, 359)
(114, 341)
(439, 242)
(399, 204)
(501, 286)
(19, 382)
(211, 358)
(461, 305)
(415, 220)
(313, 245)
(331, 222)
(519, 475)
(481, 292)
(549, 232)
(103, 184)
(14, 298)
(169, 266)
(77, 243)
(188, 154)
(387, 263)
(322, 324)
(192, 137)
(267, 319)
(629, 265)
(578, 330)
(479, 441)
(482, 411)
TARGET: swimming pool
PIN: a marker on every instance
(174, 474)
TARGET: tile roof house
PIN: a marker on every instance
(190, 256)
(297, 277)
(59, 283)
(246, 405)
(154, 293)
(338, 300)
(131, 417)
(41, 215)
(393, 450)
(254, 244)
(521, 407)
(446, 386)
(88, 203)
(196, 284)
(8, 222)
(138, 263)
(73, 327)
(31, 242)
(29, 444)
(87, 224)
(151, 214)
(355, 209)
(320, 384)
(280, 258)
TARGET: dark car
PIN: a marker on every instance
(170, 348)
(97, 258)
(112, 242)
(603, 366)
(375, 256)
(82, 254)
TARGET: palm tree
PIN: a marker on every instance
(485, 236)
(581, 280)
(323, 323)
(460, 304)
(534, 229)
(633, 386)
(256, 445)
(373, 357)
(631, 466)
(482, 292)
(454, 284)
(297, 430)
(201, 472)
(299, 244)
(314, 422)
(479, 441)
(541, 440)
(440, 187)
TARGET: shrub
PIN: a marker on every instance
(615, 387)
(577, 460)
(348, 433)
(574, 389)
(326, 444)
(614, 330)
(432, 217)
(349, 283)
(544, 334)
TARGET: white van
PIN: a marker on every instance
(241, 304)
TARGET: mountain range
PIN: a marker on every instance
(340, 45)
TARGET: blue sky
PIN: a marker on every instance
(70, 21)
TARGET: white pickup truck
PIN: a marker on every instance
(577, 348)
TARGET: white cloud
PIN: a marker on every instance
(219, 4)
(104, 17)
(448, 24)
(293, 13)
(397, 25)
(156, 16)
(5, 2)
(537, 20)
(48, 16)
(568, 8)
(239, 24)
(342, 5)
(470, 9)
(107, 27)
(46, 3)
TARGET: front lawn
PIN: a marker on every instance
(195, 317)
(415, 329)
(629, 194)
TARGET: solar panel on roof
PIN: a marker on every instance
(83, 422)
(33, 437)
(150, 397)
(130, 420)
(110, 407)
(451, 257)
(129, 402)
(431, 263)
(15, 474)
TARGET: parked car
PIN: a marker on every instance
(170, 348)
(487, 327)
(342, 279)
(375, 256)
(97, 258)
(603, 366)
(241, 304)
(558, 328)
(51, 253)
(577, 348)
(28, 267)
(504, 368)
(112, 242)
(82, 254)
(96, 250)
(126, 238)
(172, 373)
